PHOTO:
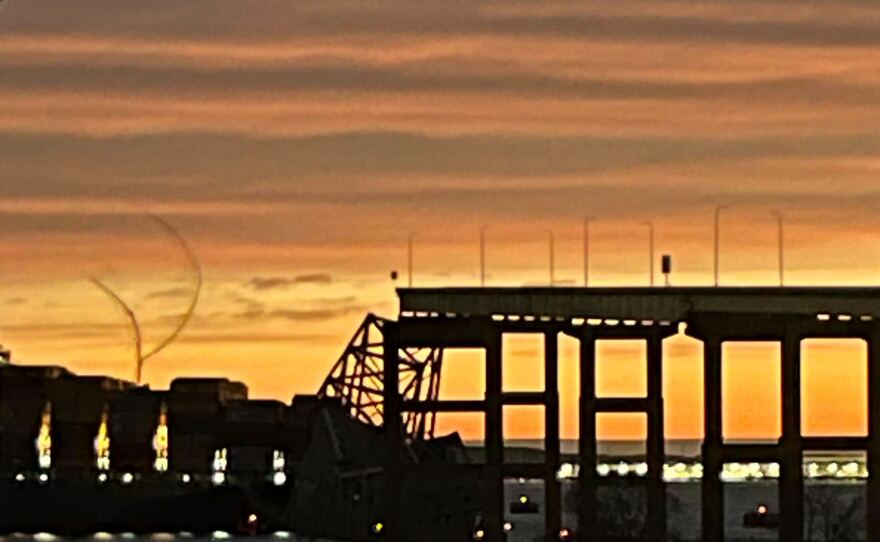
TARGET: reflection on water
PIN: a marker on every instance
(822, 498)
(159, 537)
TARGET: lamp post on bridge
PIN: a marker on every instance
(780, 232)
(587, 251)
(650, 226)
(483, 254)
(718, 210)
(409, 257)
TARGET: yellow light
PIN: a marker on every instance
(479, 534)
(523, 499)
(252, 518)
(102, 445)
(44, 439)
(160, 442)
(378, 527)
(762, 509)
(278, 460)
(220, 460)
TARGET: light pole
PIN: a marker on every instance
(718, 210)
(409, 257)
(780, 232)
(650, 226)
(483, 254)
(552, 256)
(586, 251)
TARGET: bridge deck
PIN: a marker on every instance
(460, 318)
(671, 303)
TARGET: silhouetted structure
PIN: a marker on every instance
(478, 318)
(357, 380)
(312, 466)
(359, 457)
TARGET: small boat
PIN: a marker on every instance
(524, 505)
(761, 518)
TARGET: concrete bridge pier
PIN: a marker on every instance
(655, 528)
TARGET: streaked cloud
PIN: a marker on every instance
(272, 283)
(172, 293)
(296, 145)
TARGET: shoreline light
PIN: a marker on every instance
(44, 439)
(102, 445)
(731, 472)
(160, 441)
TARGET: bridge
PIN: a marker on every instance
(409, 350)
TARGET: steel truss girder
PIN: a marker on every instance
(357, 379)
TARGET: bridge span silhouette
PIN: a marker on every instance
(436, 319)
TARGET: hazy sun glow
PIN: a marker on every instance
(297, 148)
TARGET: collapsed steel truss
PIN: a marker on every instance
(357, 379)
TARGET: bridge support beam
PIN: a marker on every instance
(873, 527)
(393, 434)
(791, 475)
(712, 512)
(588, 498)
(494, 440)
(656, 452)
(590, 406)
(552, 488)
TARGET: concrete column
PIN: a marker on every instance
(711, 487)
(393, 433)
(791, 480)
(494, 437)
(552, 490)
(656, 527)
(587, 450)
(873, 519)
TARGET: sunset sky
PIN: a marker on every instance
(296, 145)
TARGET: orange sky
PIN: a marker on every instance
(303, 141)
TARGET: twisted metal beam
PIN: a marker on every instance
(190, 310)
(132, 318)
(140, 356)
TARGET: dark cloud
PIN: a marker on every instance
(493, 177)
(66, 330)
(268, 283)
(434, 77)
(273, 283)
(17, 300)
(170, 293)
(821, 23)
(355, 166)
(249, 303)
(311, 315)
(253, 313)
(255, 338)
(212, 320)
(334, 301)
(409, 73)
(302, 315)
